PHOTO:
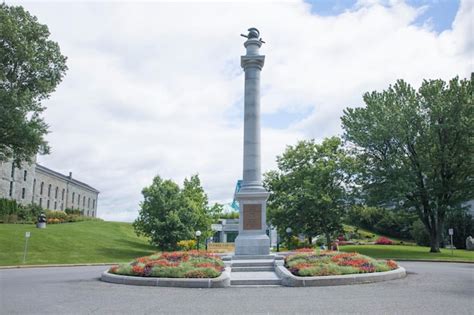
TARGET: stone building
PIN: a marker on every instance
(34, 183)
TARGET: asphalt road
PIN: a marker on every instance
(430, 288)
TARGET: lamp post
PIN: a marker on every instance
(198, 234)
(288, 231)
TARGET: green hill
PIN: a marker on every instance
(69, 243)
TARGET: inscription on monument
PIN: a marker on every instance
(252, 216)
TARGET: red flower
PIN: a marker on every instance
(352, 263)
(338, 257)
(392, 264)
(114, 269)
(138, 270)
(367, 267)
(383, 241)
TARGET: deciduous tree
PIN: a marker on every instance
(31, 66)
(308, 189)
(417, 148)
(170, 214)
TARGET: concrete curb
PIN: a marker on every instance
(220, 282)
(59, 265)
(434, 261)
(290, 280)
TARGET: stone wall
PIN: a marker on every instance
(16, 183)
(49, 189)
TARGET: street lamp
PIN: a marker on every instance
(198, 233)
(288, 231)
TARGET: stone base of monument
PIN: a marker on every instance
(254, 270)
(252, 244)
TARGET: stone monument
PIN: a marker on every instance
(252, 197)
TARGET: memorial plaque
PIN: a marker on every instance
(252, 217)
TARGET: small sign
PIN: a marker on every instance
(27, 234)
(451, 232)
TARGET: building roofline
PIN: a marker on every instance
(64, 177)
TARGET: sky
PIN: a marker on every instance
(156, 88)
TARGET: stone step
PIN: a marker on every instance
(255, 282)
(253, 269)
(249, 257)
(254, 278)
(252, 263)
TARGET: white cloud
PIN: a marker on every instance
(156, 88)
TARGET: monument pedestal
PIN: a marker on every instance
(252, 238)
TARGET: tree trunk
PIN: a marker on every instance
(434, 238)
(310, 240)
(328, 240)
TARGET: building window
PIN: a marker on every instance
(62, 195)
(41, 202)
(24, 175)
(47, 204)
(87, 212)
(34, 190)
(78, 199)
(56, 193)
(41, 188)
(88, 202)
(92, 213)
(62, 206)
(73, 194)
(49, 191)
(93, 203)
(23, 190)
(55, 205)
(84, 201)
(13, 170)
(11, 189)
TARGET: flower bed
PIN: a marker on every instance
(383, 241)
(190, 264)
(328, 263)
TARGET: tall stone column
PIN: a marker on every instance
(252, 197)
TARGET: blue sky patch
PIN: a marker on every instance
(283, 119)
(439, 13)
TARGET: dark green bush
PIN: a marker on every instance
(13, 212)
(420, 234)
(463, 225)
(394, 223)
(73, 211)
(8, 207)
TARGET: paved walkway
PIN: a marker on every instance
(430, 288)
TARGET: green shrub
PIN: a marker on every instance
(55, 214)
(394, 223)
(8, 206)
(73, 211)
(420, 234)
(187, 244)
(202, 273)
(463, 225)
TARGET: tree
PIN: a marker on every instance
(417, 148)
(308, 189)
(31, 66)
(170, 214)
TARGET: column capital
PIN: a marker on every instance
(252, 61)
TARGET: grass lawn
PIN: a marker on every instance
(408, 252)
(69, 243)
